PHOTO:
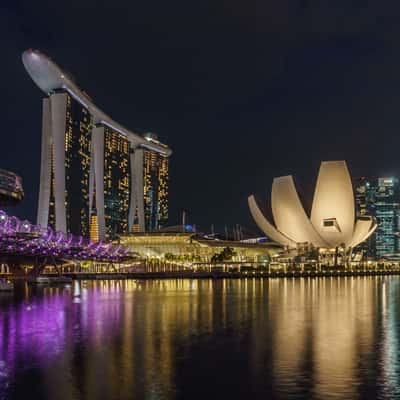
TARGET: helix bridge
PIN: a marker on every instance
(24, 243)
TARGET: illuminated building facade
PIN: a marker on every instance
(113, 179)
(93, 166)
(94, 228)
(380, 198)
(78, 128)
(155, 188)
(364, 196)
(65, 169)
(191, 247)
(11, 191)
(362, 193)
(386, 211)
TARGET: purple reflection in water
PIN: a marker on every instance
(40, 329)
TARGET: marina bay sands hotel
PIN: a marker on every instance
(97, 178)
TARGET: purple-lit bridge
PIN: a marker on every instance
(24, 244)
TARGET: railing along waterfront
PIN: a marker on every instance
(145, 269)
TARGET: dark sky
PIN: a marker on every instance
(242, 91)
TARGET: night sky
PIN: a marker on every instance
(242, 91)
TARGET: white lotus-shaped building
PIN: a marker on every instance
(332, 223)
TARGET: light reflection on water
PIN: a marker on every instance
(317, 338)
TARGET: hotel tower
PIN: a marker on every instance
(97, 178)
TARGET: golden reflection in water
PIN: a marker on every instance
(290, 329)
(391, 340)
(325, 322)
(128, 339)
(338, 321)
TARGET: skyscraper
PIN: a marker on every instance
(111, 185)
(64, 194)
(116, 181)
(380, 198)
(386, 206)
(364, 192)
(11, 191)
(362, 196)
(155, 185)
(93, 170)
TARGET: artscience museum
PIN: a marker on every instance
(332, 223)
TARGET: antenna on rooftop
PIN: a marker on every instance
(183, 220)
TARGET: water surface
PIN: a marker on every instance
(317, 338)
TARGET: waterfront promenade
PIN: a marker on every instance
(159, 269)
(225, 275)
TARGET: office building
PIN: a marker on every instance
(364, 191)
(380, 198)
(363, 196)
(11, 190)
(386, 211)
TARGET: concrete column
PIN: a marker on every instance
(137, 190)
(45, 166)
(58, 107)
(91, 180)
(98, 154)
(132, 202)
